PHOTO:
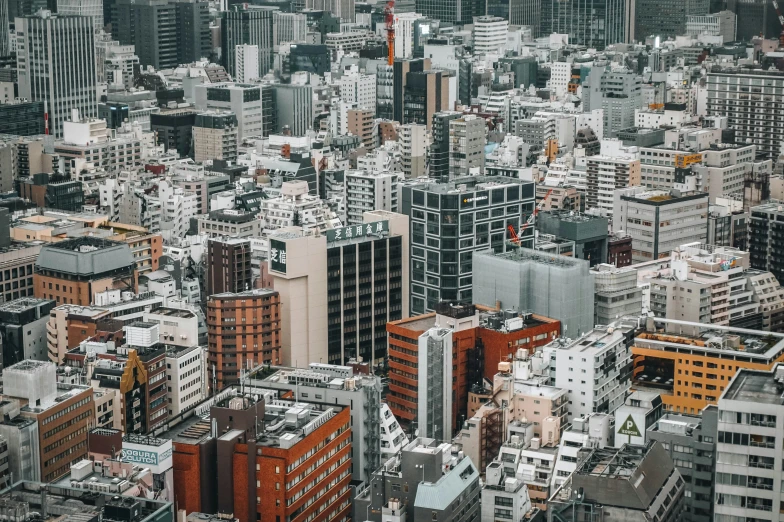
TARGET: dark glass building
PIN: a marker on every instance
(22, 119)
(174, 129)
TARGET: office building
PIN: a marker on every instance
(489, 34)
(341, 385)
(722, 24)
(425, 93)
(5, 34)
(427, 481)
(228, 265)
(17, 263)
(245, 24)
(524, 279)
(617, 294)
(475, 339)
(69, 80)
(343, 318)
(246, 63)
(589, 233)
(593, 23)
(756, 127)
(245, 101)
(765, 244)
(446, 12)
(359, 89)
(691, 442)
(23, 329)
(634, 483)
(61, 195)
(359, 122)
(289, 27)
(595, 368)
(714, 355)
(22, 118)
(73, 271)
(294, 105)
(215, 136)
(243, 331)
(659, 221)
(62, 411)
(194, 37)
(605, 174)
(367, 191)
(478, 210)
(648, 19)
(256, 465)
(467, 146)
(747, 440)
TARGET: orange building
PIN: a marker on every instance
(74, 270)
(691, 371)
(243, 331)
(481, 338)
(272, 460)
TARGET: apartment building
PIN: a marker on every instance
(215, 136)
(231, 223)
(228, 265)
(617, 294)
(605, 174)
(367, 191)
(186, 377)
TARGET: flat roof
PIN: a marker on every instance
(756, 386)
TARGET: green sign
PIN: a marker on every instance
(277, 255)
(355, 231)
(629, 427)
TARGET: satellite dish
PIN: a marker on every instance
(416, 433)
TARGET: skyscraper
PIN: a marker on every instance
(247, 25)
(456, 12)
(595, 23)
(5, 45)
(92, 8)
(56, 64)
(665, 18)
(193, 30)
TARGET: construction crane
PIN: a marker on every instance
(517, 236)
(389, 16)
(781, 21)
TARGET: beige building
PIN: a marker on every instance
(322, 303)
(360, 123)
(215, 136)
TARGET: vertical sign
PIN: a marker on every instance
(277, 255)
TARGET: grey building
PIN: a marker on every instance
(648, 19)
(691, 442)
(247, 24)
(427, 482)
(294, 108)
(21, 433)
(194, 39)
(56, 64)
(641, 137)
(659, 221)
(766, 238)
(633, 484)
(23, 329)
(450, 12)
(554, 286)
(22, 118)
(439, 149)
(589, 233)
(467, 146)
(5, 34)
(595, 23)
(617, 294)
(757, 123)
(449, 222)
(602, 82)
(338, 384)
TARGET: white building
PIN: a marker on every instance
(504, 495)
(592, 431)
(186, 377)
(605, 174)
(413, 149)
(490, 34)
(243, 100)
(595, 369)
(289, 27)
(404, 34)
(295, 207)
(177, 208)
(246, 59)
(393, 438)
(560, 74)
(91, 8)
(366, 191)
(724, 24)
(359, 89)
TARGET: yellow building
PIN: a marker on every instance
(692, 371)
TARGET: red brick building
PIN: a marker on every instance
(481, 338)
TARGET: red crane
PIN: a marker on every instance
(389, 16)
(515, 236)
(781, 21)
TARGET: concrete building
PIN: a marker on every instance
(244, 100)
(67, 45)
(467, 146)
(489, 34)
(404, 34)
(589, 233)
(247, 63)
(228, 265)
(232, 223)
(60, 410)
(481, 207)
(289, 27)
(23, 329)
(359, 89)
(413, 147)
(243, 331)
(17, 264)
(73, 271)
(524, 279)
(245, 24)
(617, 294)
(368, 191)
(296, 207)
(327, 326)
(605, 175)
(691, 443)
(442, 485)
(504, 495)
(633, 483)
(339, 385)
(215, 136)
(659, 221)
(589, 432)
(764, 238)
(595, 369)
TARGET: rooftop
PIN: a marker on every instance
(527, 255)
(760, 386)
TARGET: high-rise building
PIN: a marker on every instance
(359, 89)
(173, 129)
(605, 175)
(755, 17)
(426, 93)
(765, 243)
(461, 13)
(589, 233)
(489, 34)
(228, 265)
(595, 23)
(289, 27)
(5, 34)
(215, 136)
(246, 63)
(648, 19)
(367, 191)
(244, 100)
(413, 149)
(194, 38)
(755, 123)
(659, 221)
(56, 64)
(477, 209)
(247, 25)
(467, 138)
(243, 332)
(617, 294)
(439, 149)
(91, 8)
(356, 280)
(23, 329)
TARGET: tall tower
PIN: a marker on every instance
(247, 25)
(56, 64)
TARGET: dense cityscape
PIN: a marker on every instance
(391, 261)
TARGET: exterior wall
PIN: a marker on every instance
(498, 346)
